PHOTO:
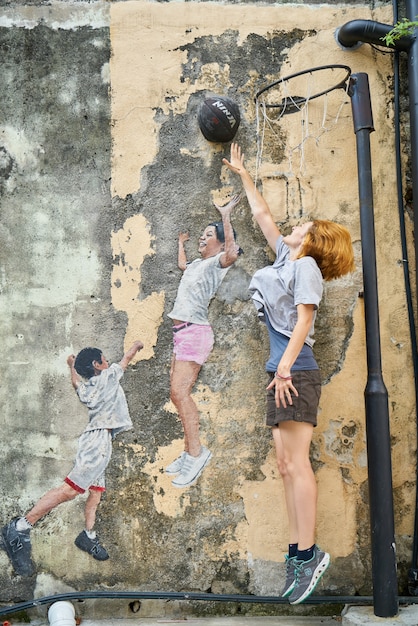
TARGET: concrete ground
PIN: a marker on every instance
(66, 613)
(364, 616)
(201, 621)
(230, 621)
(351, 616)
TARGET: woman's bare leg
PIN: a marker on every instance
(287, 484)
(293, 442)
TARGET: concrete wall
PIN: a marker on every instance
(102, 164)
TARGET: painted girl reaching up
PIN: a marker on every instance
(193, 335)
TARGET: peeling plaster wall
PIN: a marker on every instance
(102, 164)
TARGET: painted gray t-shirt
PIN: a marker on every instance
(198, 285)
(277, 289)
(106, 401)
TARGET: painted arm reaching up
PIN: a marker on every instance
(130, 353)
(182, 258)
(231, 250)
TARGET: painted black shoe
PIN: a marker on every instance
(18, 547)
(91, 546)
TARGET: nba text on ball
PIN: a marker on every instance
(220, 105)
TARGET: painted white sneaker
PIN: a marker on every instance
(176, 465)
(193, 466)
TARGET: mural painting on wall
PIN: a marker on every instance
(196, 165)
(199, 502)
(97, 385)
(193, 335)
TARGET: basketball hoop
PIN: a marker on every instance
(294, 94)
(281, 94)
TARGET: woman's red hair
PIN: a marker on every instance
(330, 245)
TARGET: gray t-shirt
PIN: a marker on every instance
(106, 401)
(198, 285)
(277, 289)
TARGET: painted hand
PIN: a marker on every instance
(137, 346)
(227, 208)
(236, 162)
(183, 237)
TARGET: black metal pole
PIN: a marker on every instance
(411, 14)
(385, 587)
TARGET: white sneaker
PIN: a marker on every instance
(193, 466)
(175, 466)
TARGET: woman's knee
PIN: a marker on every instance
(298, 468)
(282, 467)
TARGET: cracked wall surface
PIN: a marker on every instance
(102, 165)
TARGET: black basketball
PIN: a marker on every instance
(218, 119)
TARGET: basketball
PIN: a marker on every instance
(218, 119)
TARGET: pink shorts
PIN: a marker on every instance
(192, 342)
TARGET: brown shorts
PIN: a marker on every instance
(305, 405)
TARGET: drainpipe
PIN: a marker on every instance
(411, 13)
(350, 36)
(385, 588)
(354, 33)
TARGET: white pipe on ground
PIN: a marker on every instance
(61, 614)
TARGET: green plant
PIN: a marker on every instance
(401, 29)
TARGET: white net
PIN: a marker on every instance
(294, 113)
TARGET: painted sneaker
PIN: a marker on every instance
(18, 547)
(290, 576)
(91, 546)
(193, 466)
(175, 467)
(307, 575)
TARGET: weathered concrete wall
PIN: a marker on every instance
(102, 165)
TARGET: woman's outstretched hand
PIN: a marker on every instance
(236, 160)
